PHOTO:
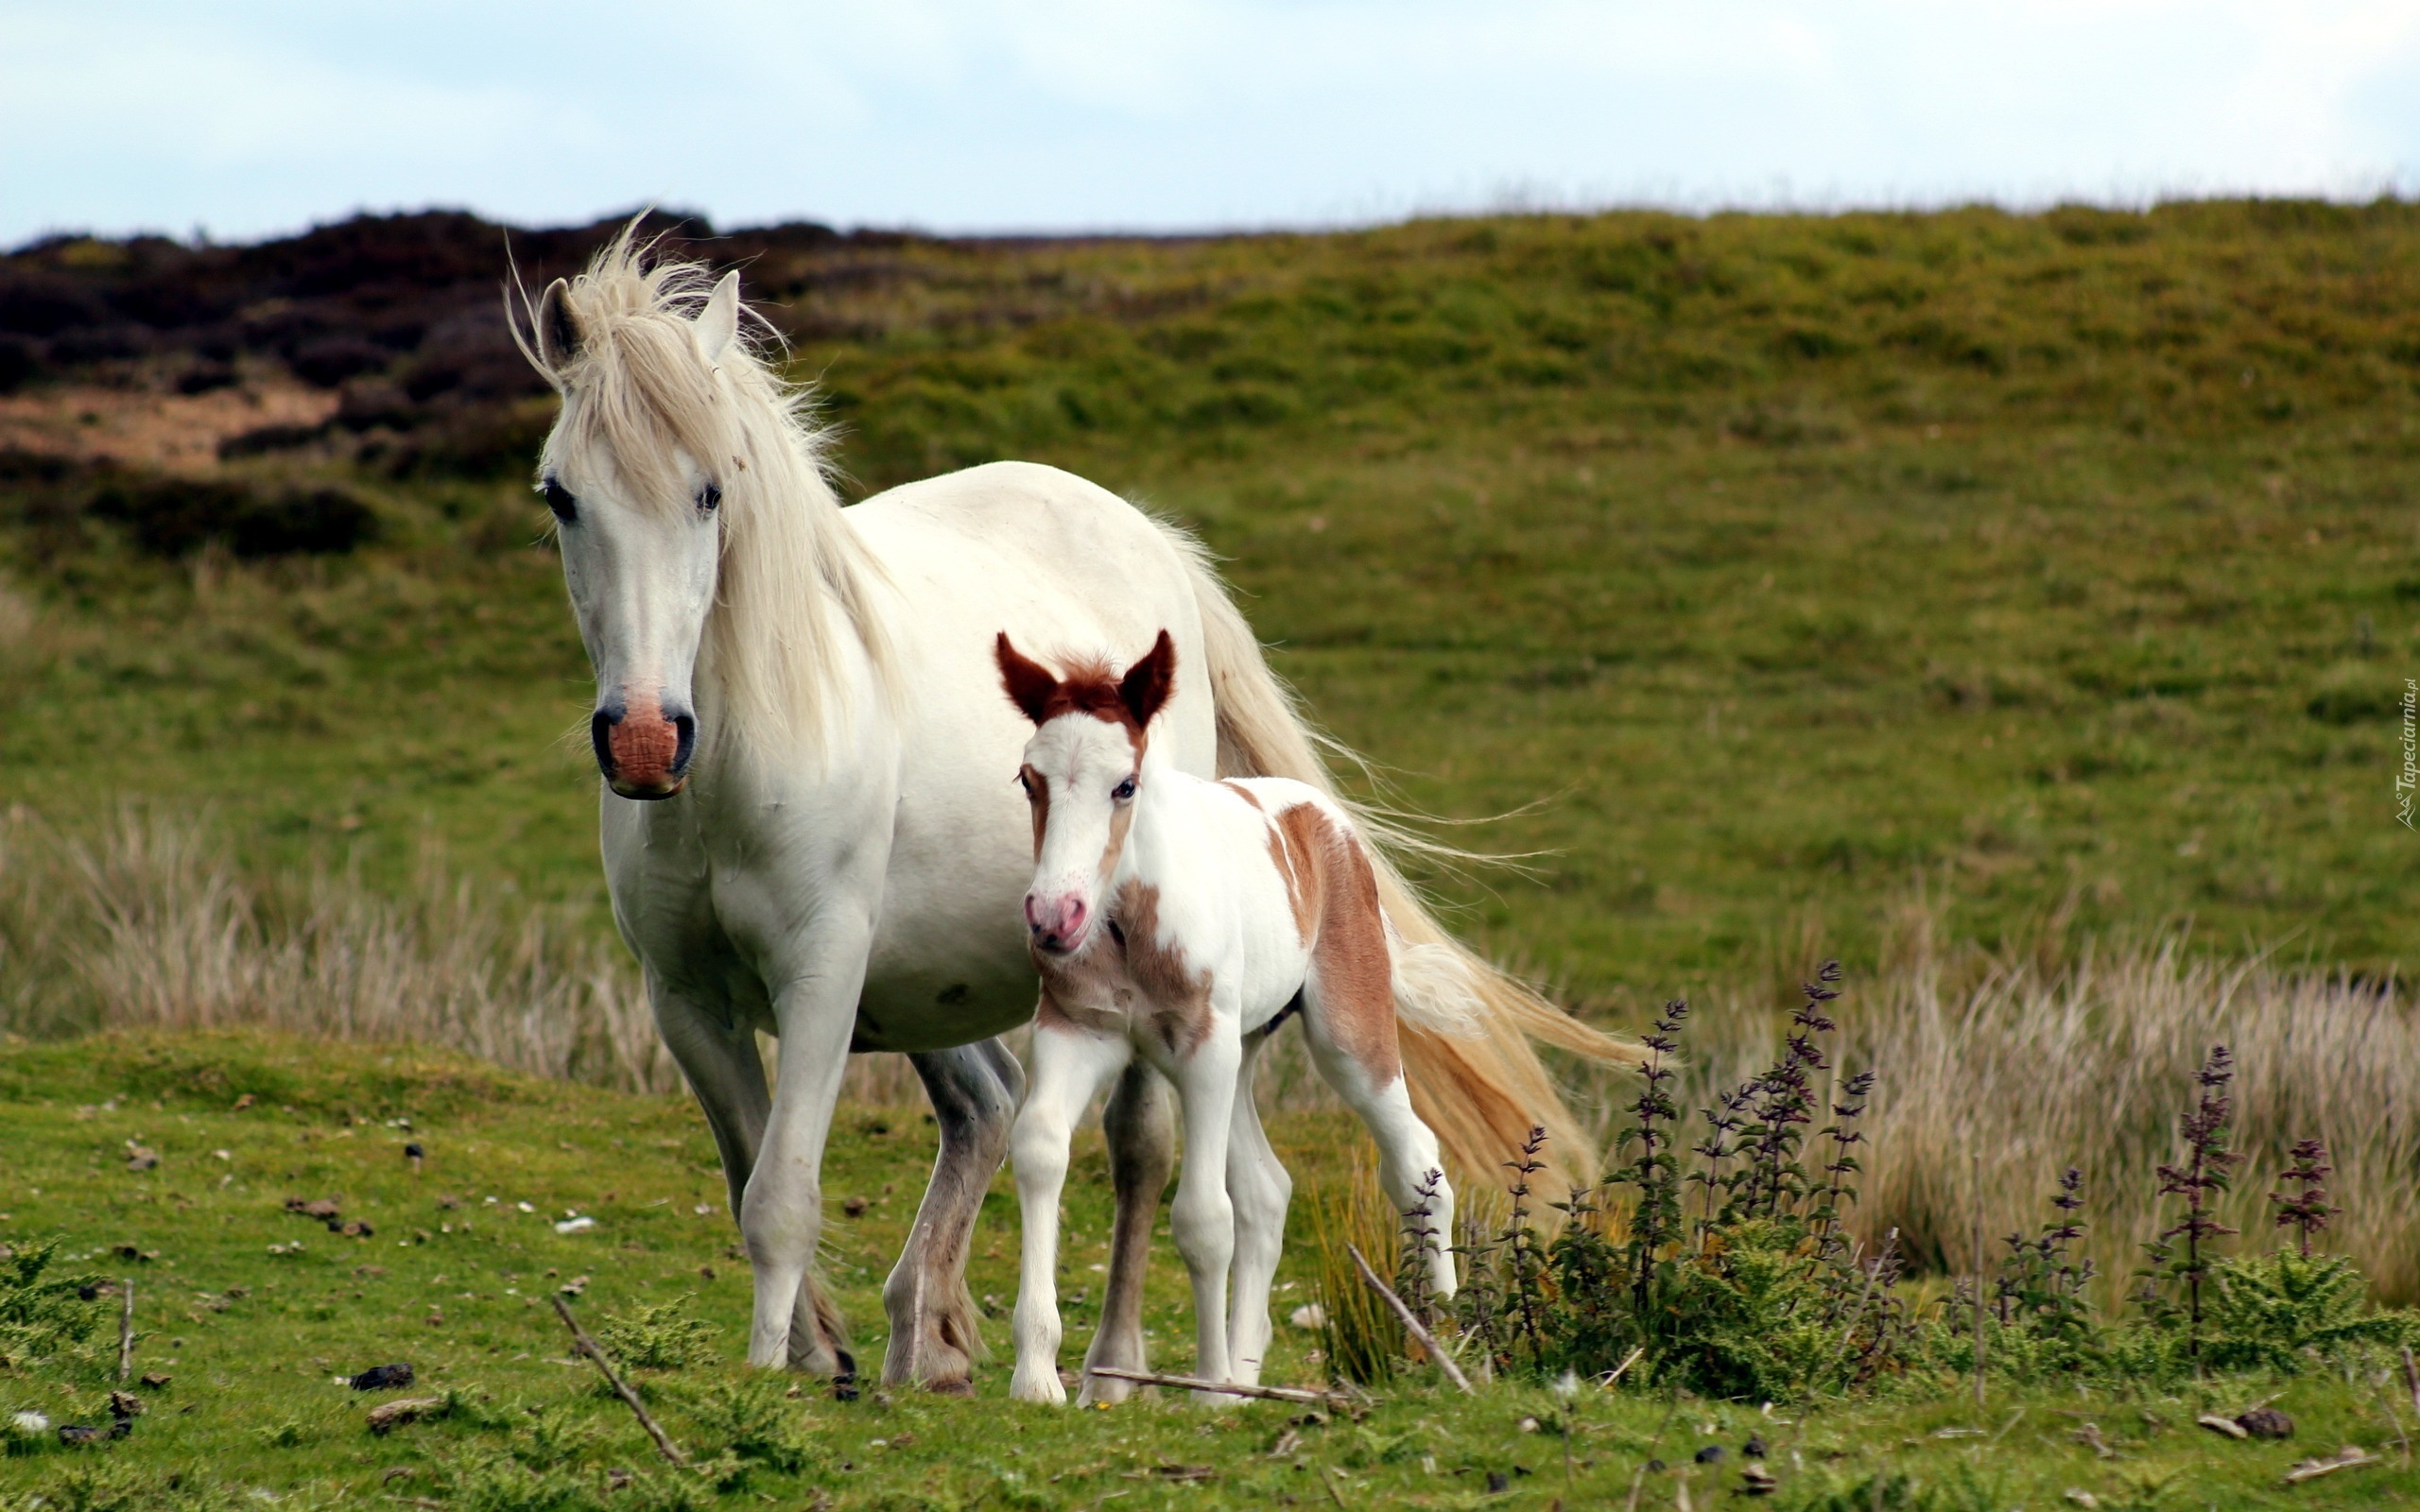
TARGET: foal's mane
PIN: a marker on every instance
(635, 388)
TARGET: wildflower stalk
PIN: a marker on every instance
(2307, 1212)
(2204, 1176)
(1656, 1173)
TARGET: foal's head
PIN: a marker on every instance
(1082, 769)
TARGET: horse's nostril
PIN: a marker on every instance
(601, 736)
(685, 742)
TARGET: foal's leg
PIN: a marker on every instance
(1202, 1217)
(1260, 1189)
(1140, 1122)
(933, 1337)
(1069, 1065)
(1354, 1051)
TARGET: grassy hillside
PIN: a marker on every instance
(2060, 566)
(250, 1313)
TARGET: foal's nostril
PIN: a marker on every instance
(685, 742)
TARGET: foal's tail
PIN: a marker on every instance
(1466, 1026)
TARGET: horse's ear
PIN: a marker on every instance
(1029, 683)
(717, 325)
(558, 338)
(1148, 682)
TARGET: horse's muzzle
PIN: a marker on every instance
(643, 749)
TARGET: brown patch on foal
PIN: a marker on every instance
(1289, 854)
(1127, 971)
(1037, 791)
(1092, 686)
(1335, 893)
(1179, 995)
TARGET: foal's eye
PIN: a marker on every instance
(710, 499)
(1123, 792)
(558, 499)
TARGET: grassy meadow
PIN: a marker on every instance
(252, 1314)
(2016, 607)
(2057, 565)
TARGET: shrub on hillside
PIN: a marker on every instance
(667, 1338)
(174, 517)
(43, 1311)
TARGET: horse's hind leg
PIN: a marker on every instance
(934, 1340)
(1140, 1124)
(1260, 1189)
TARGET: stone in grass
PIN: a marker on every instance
(154, 1381)
(383, 1377)
(388, 1415)
(1711, 1454)
(2266, 1422)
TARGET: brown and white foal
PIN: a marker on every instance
(1177, 919)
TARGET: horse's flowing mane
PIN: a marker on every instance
(635, 391)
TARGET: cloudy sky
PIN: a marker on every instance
(246, 117)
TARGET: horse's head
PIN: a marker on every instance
(634, 471)
(1082, 770)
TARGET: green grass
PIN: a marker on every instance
(251, 1405)
(2058, 564)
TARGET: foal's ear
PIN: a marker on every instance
(717, 325)
(1029, 683)
(558, 338)
(1148, 682)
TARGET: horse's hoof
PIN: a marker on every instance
(1040, 1389)
(955, 1386)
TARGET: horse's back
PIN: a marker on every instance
(1067, 529)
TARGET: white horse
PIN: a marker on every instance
(1178, 919)
(807, 824)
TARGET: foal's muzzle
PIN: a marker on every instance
(1057, 924)
(643, 749)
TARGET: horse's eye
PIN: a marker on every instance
(558, 499)
(1124, 791)
(710, 499)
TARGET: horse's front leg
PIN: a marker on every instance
(781, 1215)
(1140, 1124)
(1069, 1065)
(934, 1340)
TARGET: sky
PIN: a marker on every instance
(244, 118)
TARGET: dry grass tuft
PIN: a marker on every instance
(2046, 1058)
(147, 922)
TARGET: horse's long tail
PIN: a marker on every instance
(1474, 1074)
